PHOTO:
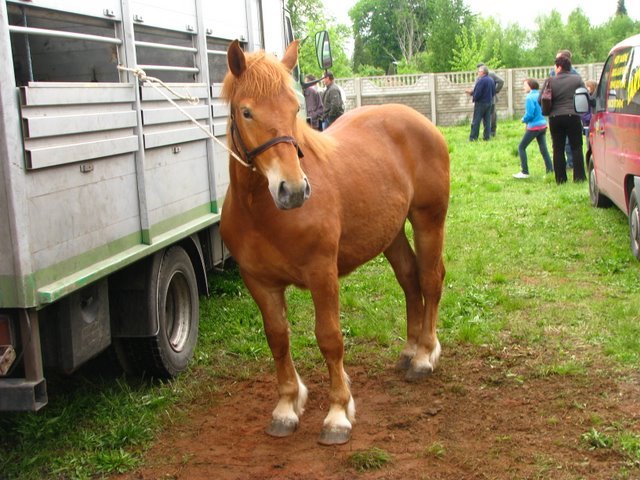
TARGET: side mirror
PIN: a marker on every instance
(581, 100)
(323, 50)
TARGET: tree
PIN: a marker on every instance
(446, 21)
(307, 18)
(376, 41)
(410, 23)
(618, 28)
(581, 35)
(304, 11)
(621, 9)
(550, 37)
(467, 51)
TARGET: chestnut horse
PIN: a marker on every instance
(314, 206)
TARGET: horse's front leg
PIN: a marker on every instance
(337, 425)
(292, 392)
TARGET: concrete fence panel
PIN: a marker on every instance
(442, 97)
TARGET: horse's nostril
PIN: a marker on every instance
(307, 188)
(283, 190)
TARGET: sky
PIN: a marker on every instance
(523, 13)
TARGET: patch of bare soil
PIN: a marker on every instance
(481, 415)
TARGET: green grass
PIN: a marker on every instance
(528, 263)
(371, 459)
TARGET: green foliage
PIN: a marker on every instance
(467, 52)
(447, 19)
(371, 459)
(369, 71)
(436, 450)
(99, 429)
(417, 37)
(308, 18)
(375, 32)
(595, 439)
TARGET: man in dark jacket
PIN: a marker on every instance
(499, 84)
(482, 94)
(313, 102)
(331, 99)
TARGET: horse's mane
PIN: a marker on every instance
(266, 77)
(314, 141)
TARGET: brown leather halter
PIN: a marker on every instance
(251, 154)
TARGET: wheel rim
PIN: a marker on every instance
(635, 228)
(593, 186)
(177, 312)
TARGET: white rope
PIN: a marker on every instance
(142, 76)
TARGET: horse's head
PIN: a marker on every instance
(263, 120)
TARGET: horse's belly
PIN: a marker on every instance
(361, 242)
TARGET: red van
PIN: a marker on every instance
(613, 156)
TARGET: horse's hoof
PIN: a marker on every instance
(403, 363)
(334, 436)
(415, 375)
(281, 428)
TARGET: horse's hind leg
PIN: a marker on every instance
(429, 242)
(292, 392)
(405, 267)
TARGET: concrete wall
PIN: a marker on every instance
(441, 96)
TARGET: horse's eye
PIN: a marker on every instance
(246, 113)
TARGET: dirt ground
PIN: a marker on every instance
(481, 415)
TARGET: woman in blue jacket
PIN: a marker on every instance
(536, 128)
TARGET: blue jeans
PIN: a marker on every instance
(481, 112)
(540, 136)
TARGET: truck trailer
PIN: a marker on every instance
(111, 196)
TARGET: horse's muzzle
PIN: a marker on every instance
(292, 195)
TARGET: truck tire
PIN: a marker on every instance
(173, 302)
(634, 223)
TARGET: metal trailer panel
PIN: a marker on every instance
(169, 14)
(104, 8)
(225, 19)
(160, 115)
(108, 169)
(82, 216)
(46, 93)
(99, 172)
(15, 258)
(273, 26)
(47, 126)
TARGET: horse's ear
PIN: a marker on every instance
(235, 59)
(290, 58)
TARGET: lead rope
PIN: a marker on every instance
(142, 76)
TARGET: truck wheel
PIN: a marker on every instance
(172, 301)
(597, 199)
(634, 224)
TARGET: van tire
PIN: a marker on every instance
(634, 224)
(172, 300)
(596, 198)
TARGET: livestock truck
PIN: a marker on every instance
(111, 195)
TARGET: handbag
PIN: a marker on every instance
(546, 98)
